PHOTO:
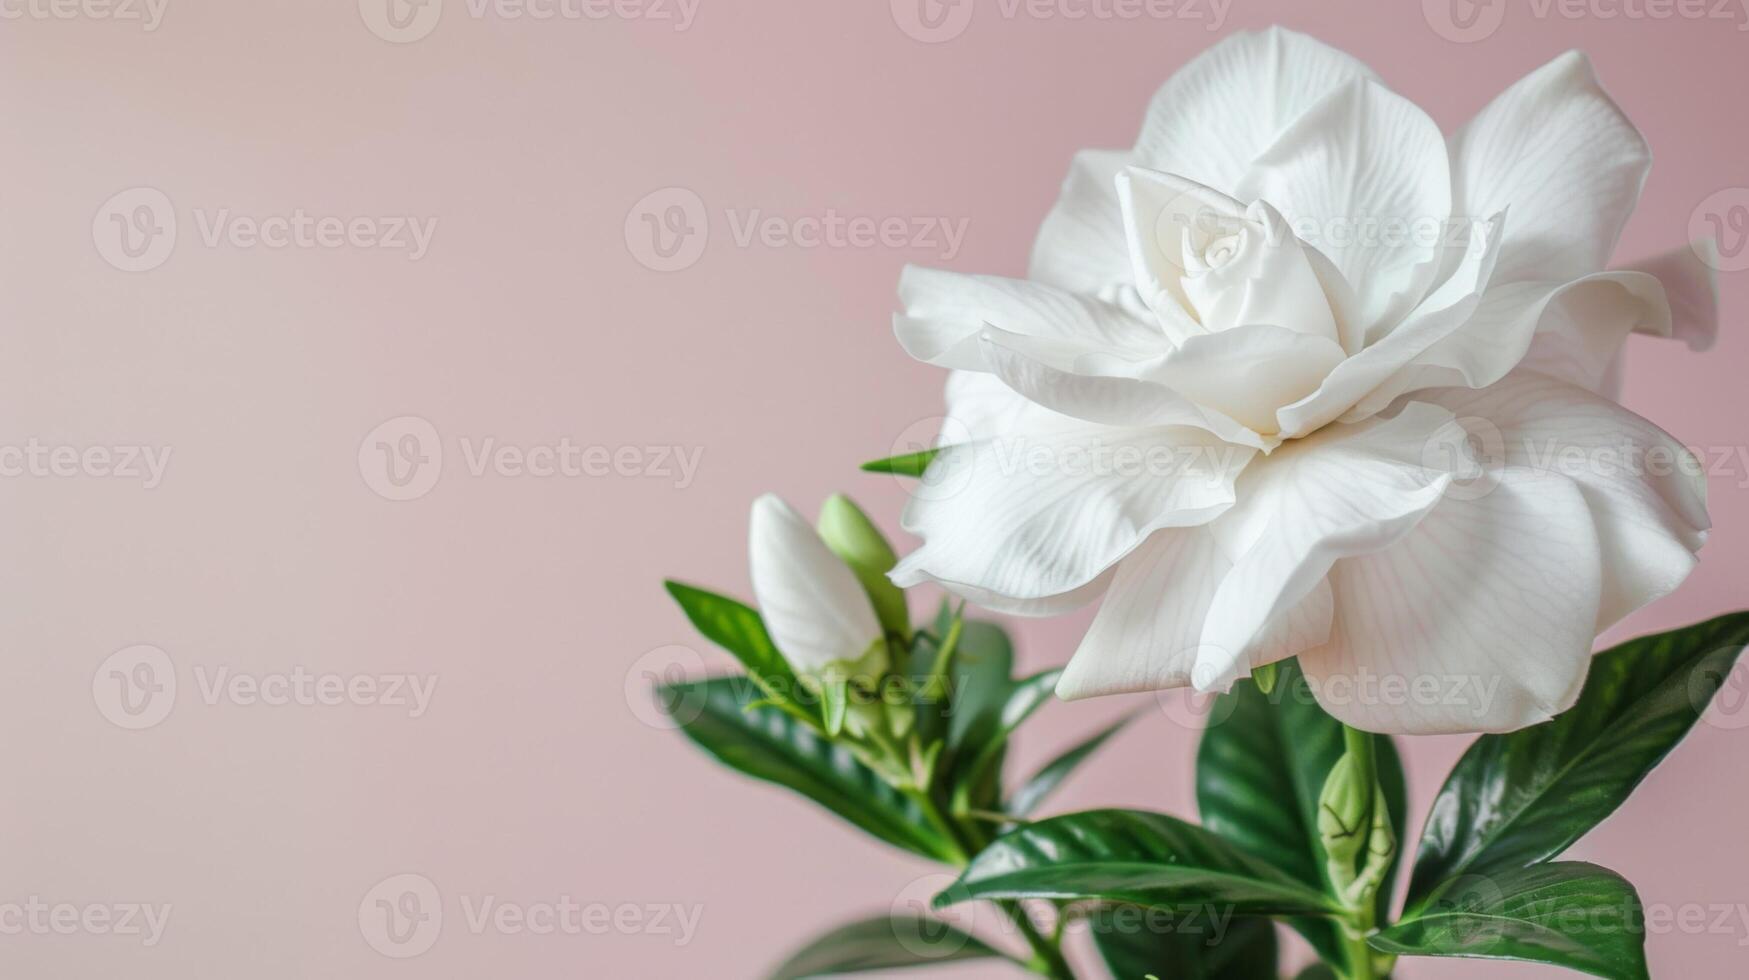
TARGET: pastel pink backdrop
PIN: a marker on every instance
(531, 777)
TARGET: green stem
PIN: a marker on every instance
(1047, 956)
(1360, 920)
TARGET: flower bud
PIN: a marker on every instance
(1344, 818)
(814, 607)
(859, 544)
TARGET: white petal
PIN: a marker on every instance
(1691, 287)
(1035, 516)
(1584, 325)
(1446, 310)
(1149, 628)
(945, 312)
(1080, 246)
(1646, 493)
(1212, 118)
(1109, 393)
(812, 603)
(981, 406)
(1345, 490)
(1498, 336)
(1558, 152)
(1479, 619)
(1249, 373)
(1362, 176)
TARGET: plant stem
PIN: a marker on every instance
(1360, 920)
(1047, 957)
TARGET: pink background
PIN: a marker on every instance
(532, 601)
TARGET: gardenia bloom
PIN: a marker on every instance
(1299, 375)
(815, 609)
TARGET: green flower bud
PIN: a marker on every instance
(859, 544)
(1344, 819)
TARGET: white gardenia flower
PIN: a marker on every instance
(815, 609)
(1299, 375)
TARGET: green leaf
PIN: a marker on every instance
(1523, 798)
(1259, 771)
(982, 680)
(770, 744)
(910, 464)
(1136, 943)
(737, 628)
(1134, 858)
(1024, 698)
(1046, 780)
(883, 943)
(980, 686)
(1317, 971)
(1569, 914)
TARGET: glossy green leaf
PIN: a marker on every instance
(1202, 945)
(738, 628)
(909, 464)
(1047, 779)
(1317, 971)
(1135, 858)
(1569, 914)
(770, 744)
(883, 943)
(1523, 798)
(1024, 697)
(1259, 770)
